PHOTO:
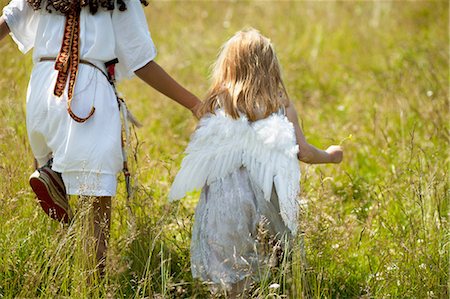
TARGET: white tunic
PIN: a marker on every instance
(87, 154)
(249, 173)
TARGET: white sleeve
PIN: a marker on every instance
(22, 21)
(134, 44)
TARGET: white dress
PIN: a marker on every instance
(87, 154)
(249, 175)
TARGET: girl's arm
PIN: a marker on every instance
(156, 77)
(307, 152)
(4, 29)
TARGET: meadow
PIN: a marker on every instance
(372, 76)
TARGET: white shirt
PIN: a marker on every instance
(112, 34)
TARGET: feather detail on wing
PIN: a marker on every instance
(267, 148)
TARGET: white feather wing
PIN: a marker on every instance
(267, 148)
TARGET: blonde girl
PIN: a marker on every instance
(244, 155)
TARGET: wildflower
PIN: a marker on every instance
(274, 286)
(429, 93)
(379, 276)
(392, 267)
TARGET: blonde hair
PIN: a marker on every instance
(246, 78)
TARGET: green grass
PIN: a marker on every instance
(376, 226)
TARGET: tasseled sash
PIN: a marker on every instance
(68, 61)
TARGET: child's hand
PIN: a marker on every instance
(196, 110)
(336, 153)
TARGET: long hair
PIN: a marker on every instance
(246, 78)
(67, 6)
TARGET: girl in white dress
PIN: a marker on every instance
(244, 155)
(73, 114)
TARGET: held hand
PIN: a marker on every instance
(336, 154)
(196, 110)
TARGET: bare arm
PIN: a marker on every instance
(308, 153)
(4, 29)
(156, 77)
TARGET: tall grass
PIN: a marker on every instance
(375, 226)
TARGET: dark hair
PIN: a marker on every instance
(67, 6)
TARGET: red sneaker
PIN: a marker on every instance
(51, 193)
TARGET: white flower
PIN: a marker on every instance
(429, 93)
(392, 267)
(274, 286)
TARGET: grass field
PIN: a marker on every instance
(373, 76)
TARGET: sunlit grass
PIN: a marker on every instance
(375, 226)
